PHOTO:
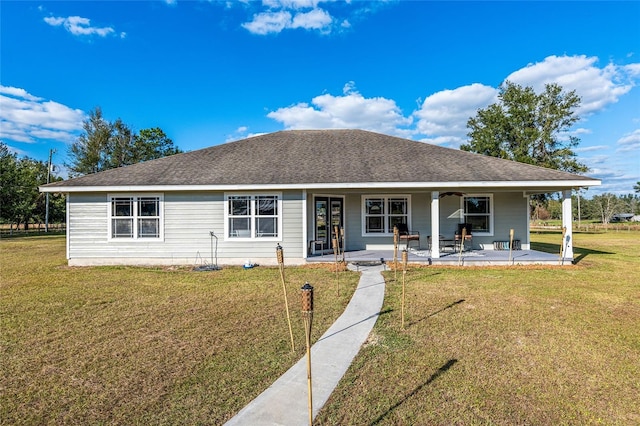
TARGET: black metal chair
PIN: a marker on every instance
(407, 235)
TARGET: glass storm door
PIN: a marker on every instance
(329, 212)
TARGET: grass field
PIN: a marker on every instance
(514, 345)
(506, 346)
(118, 345)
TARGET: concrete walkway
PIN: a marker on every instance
(285, 401)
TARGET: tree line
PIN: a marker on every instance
(103, 145)
(600, 208)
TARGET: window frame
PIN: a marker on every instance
(489, 215)
(253, 216)
(135, 216)
(386, 215)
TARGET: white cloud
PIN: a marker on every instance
(26, 118)
(444, 115)
(351, 111)
(630, 142)
(275, 22)
(317, 19)
(80, 26)
(290, 4)
(275, 16)
(268, 22)
(597, 87)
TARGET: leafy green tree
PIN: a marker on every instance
(152, 143)
(8, 182)
(106, 145)
(89, 154)
(20, 200)
(636, 187)
(630, 203)
(528, 127)
(119, 149)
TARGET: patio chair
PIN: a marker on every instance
(407, 235)
(468, 237)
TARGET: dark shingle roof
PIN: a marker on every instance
(319, 157)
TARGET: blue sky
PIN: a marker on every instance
(208, 72)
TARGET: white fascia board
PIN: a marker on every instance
(532, 185)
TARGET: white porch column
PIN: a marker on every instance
(567, 223)
(435, 224)
(305, 228)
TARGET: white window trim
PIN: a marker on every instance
(491, 213)
(253, 216)
(385, 197)
(135, 237)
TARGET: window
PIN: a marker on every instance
(134, 217)
(478, 211)
(381, 214)
(253, 216)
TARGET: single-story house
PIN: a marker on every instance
(290, 188)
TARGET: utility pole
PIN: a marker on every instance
(46, 214)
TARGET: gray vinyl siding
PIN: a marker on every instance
(188, 219)
(510, 213)
(355, 240)
(88, 216)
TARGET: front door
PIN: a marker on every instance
(329, 212)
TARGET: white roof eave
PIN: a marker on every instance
(434, 186)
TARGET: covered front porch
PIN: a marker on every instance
(496, 220)
(466, 258)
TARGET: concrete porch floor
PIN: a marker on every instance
(468, 258)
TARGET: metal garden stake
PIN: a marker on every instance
(307, 316)
(280, 256)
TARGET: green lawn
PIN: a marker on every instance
(512, 345)
(118, 345)
(519, 345)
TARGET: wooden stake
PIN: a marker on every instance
(462, 237)
(405, 257)
(343, 246)
(396, 235)
(561, 259)
(280, 256)
(307, 315)
(334, 242)
(510, 243)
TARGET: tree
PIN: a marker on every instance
(8, 182)
(20, 201)
(119, 149)
(89, 154)
(636, 187)
(152, 143)
(528, 127)
(107, 145)
(606, 205)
